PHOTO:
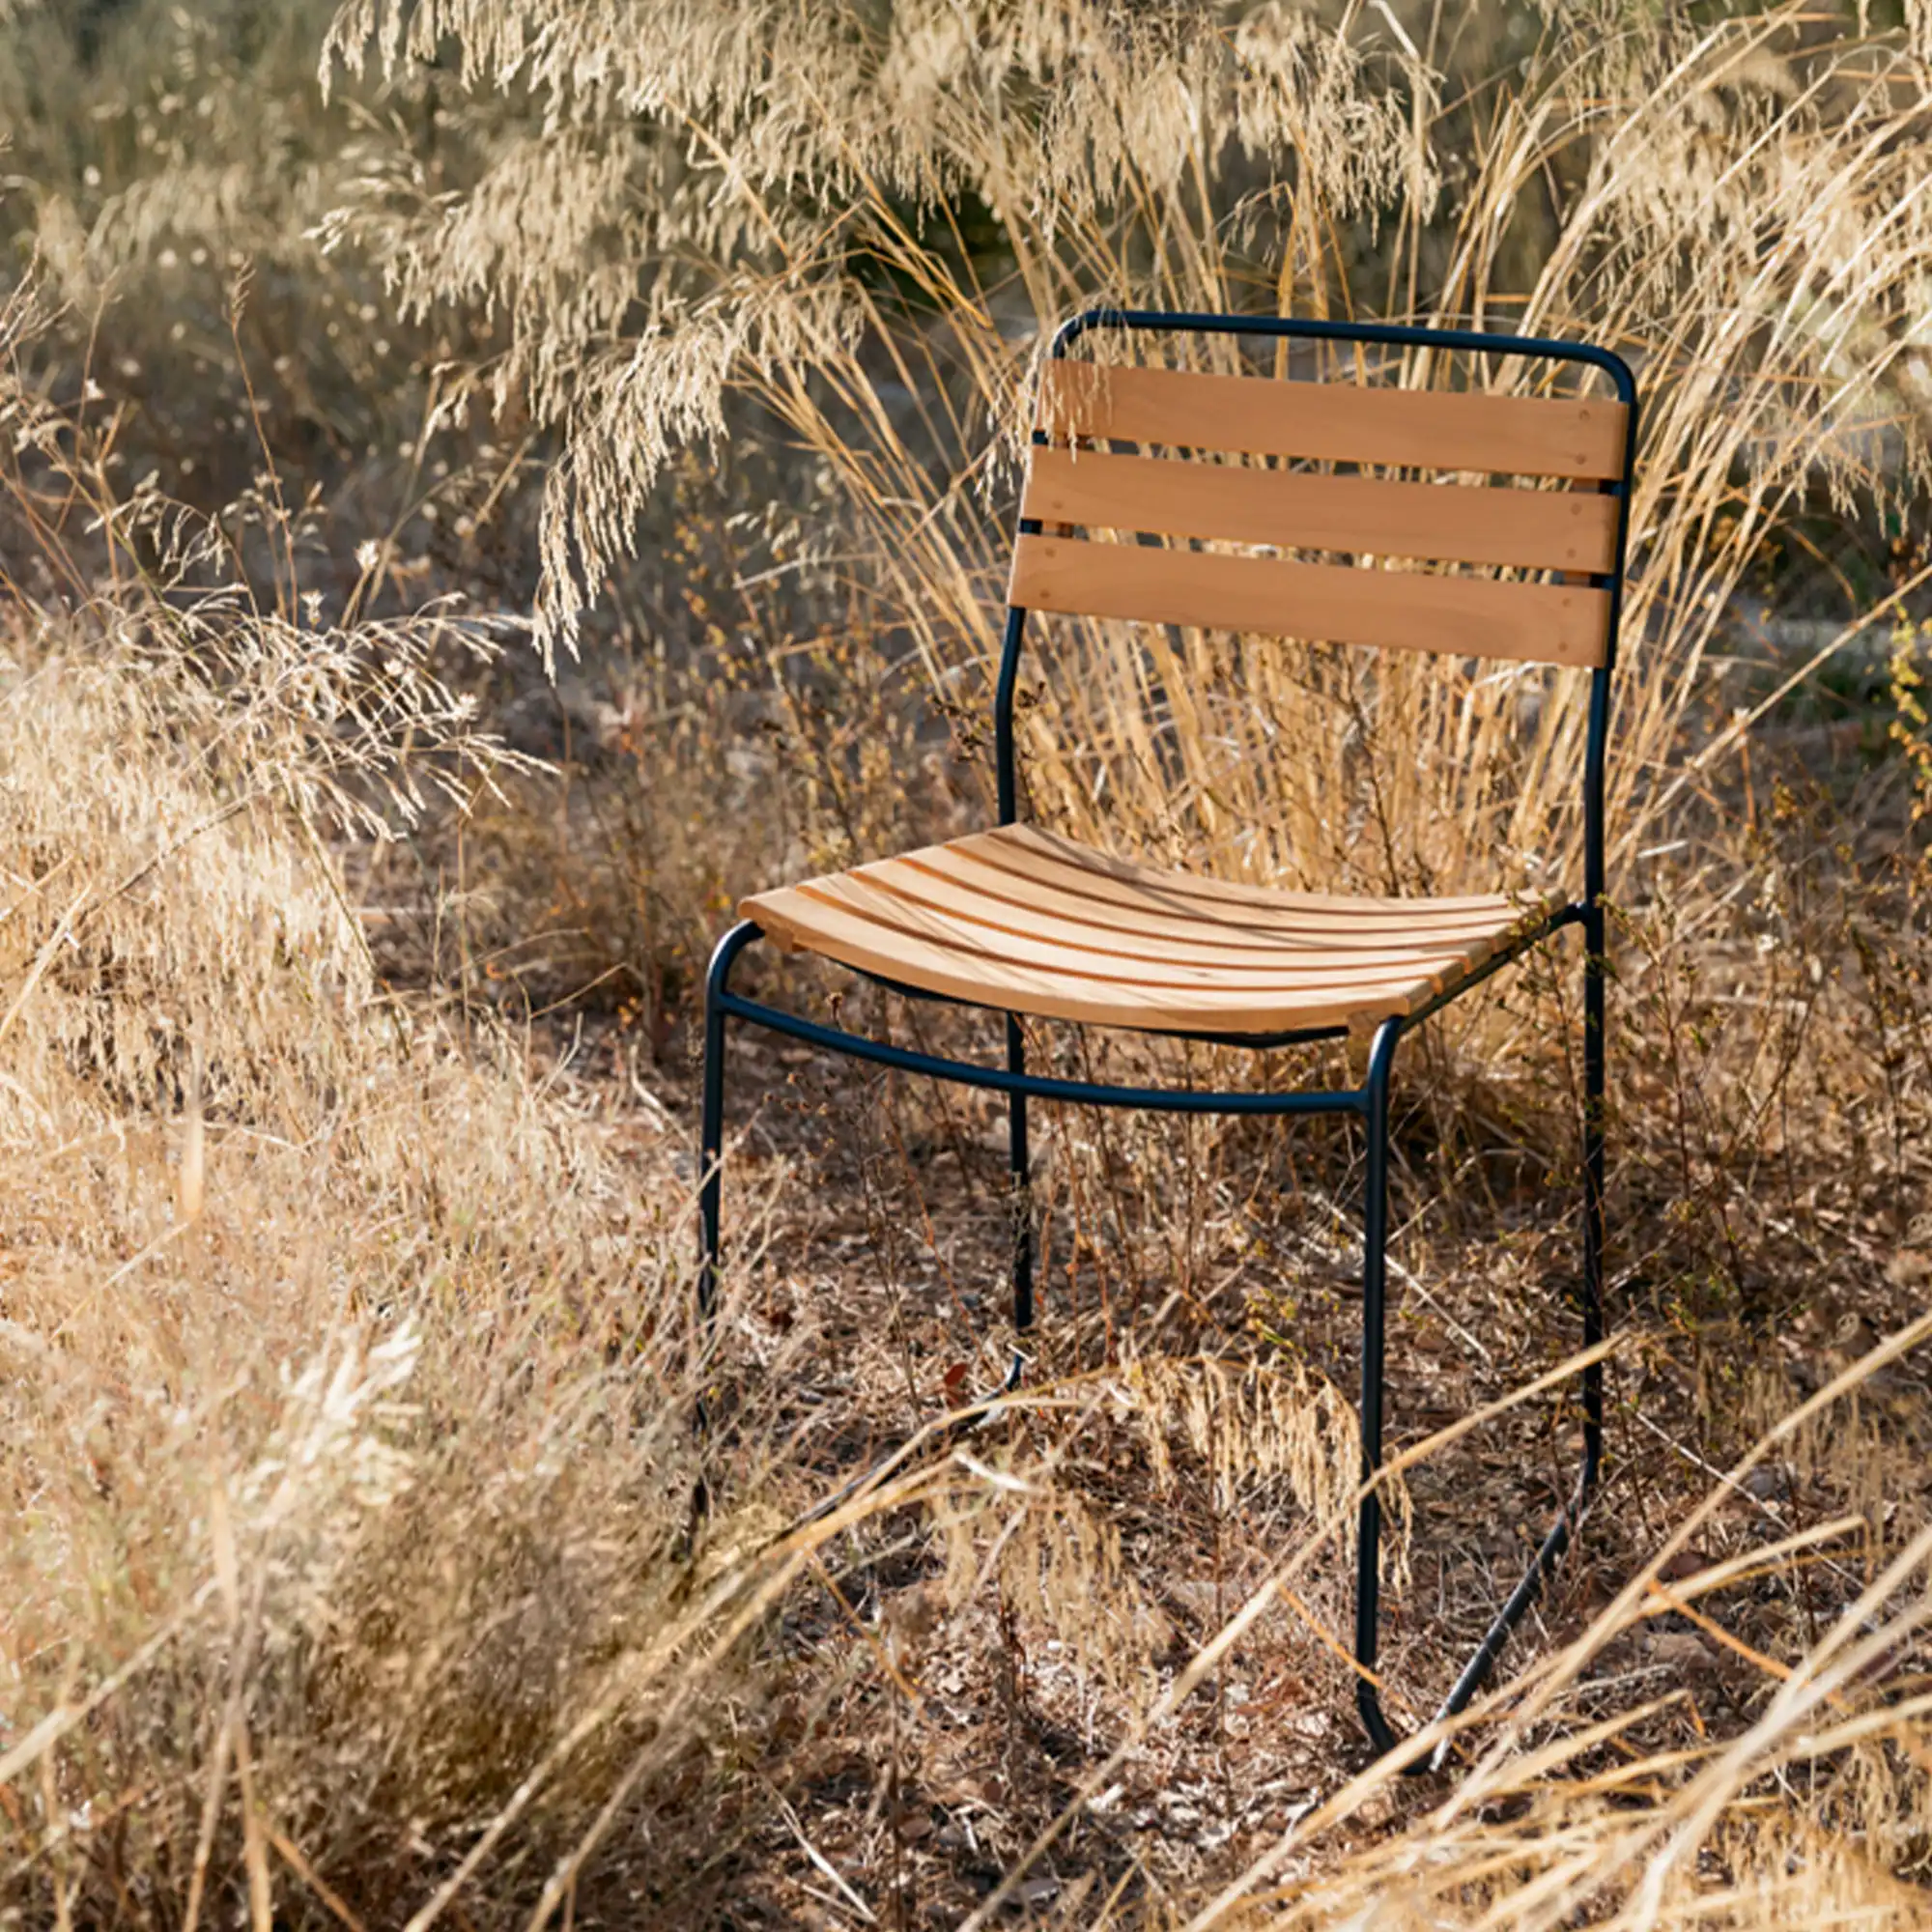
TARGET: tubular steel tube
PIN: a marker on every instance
(1020, 1168)
(968, 1073)
(1548, 1554)
(711, 1128)
(1595, 987)
(1375, 1280)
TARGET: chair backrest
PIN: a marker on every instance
(1467, 439)
(1567, 543)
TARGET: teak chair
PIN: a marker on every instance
(1023, 921)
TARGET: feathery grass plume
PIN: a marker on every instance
(1057, 1565)
(154, 151)
(1249, 1424)
(1056, 1555)
(731, 181)
(766, 201)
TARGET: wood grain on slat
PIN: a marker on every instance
(1344, 423)
(1105, 928)
(1146, 960)
(1535, 529)
(1413, 611)
(1055, 846)
(1117, 913)
(1005, 865)
(797, 922)
(1022, 920)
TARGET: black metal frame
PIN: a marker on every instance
(1370, 1101)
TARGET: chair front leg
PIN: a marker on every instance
(1019, 1167)
(1557, 1539)
(711, 1130)
(1375, 1280)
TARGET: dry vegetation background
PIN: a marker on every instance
(483, 483)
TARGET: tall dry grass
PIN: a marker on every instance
(346, 1435)
(1734, 203)
(354, 1576)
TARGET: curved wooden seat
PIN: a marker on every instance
(1025, 922)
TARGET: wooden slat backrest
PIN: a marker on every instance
(1539, 529)
(1344, 423)
(1460, 522)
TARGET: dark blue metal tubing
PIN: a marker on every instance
(1020, 1168)
(1018, 1163)
(1558, 1541)
(1374, 1282)
(1550, 1553)
(1006, 777)
(1386, 334)
(1375, 1275)
(711, 1130)
(1080, 1093)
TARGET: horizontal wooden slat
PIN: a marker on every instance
(1412, 610)
(1115, 912)
(796, 920)
(1139, 958)
(1534, 530)
(1043, 858)
(1232, 897)
(1342, 422)
(1007, 903)
(1164, 967)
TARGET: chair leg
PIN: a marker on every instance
(1595, 1049)
(711, 1130)
(710, 1191)
(1020, 1168)
(1374, 1277)
(1550, 1553)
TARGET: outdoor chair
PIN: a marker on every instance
(1022, 921)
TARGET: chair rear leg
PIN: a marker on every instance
(1374, 1278)
(711, 1156)
(1019, 1166)
(1595, 1050)
(1556, 1542)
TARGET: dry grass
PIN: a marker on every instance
(346, 978)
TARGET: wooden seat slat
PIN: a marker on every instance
(1011, 897)
(1038, 842)
(1406, 610)
(1536, 529)
(1023, 870)
(1147, 959)
(1027, 881)
(1122, 929)
(796, 923)
(1343, 422)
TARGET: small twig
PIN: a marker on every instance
(817, 1857)
(292, 1857)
